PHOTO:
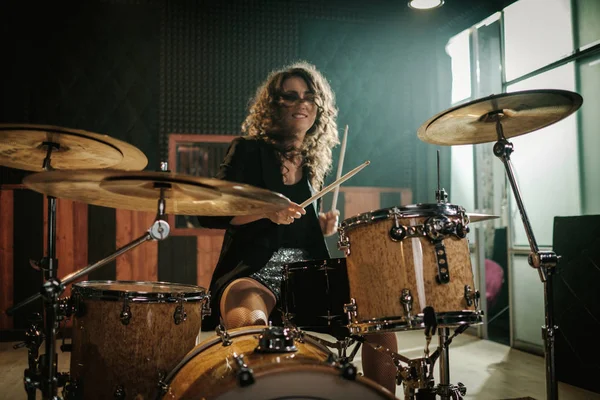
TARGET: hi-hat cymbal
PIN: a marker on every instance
(140, 191)
(519, 113)
(475, 217)
(25, 147)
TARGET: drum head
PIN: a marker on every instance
(308, 382)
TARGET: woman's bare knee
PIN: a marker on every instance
(246, 302)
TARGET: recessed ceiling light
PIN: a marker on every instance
(425, 4)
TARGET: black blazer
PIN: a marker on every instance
(247, 248)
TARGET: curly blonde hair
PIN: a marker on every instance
(261, 121)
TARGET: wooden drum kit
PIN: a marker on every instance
(405, 268)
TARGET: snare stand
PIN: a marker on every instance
(543, 261)
(47, 380)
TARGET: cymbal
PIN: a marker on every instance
(140, 191)
(23, 147)
(519, 113)
(475, 217)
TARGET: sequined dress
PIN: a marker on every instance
(295, 242)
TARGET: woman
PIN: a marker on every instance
(289, 133)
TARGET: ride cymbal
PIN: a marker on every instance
(26, 146)
(475, 217)
(141, 190)
(519, 113)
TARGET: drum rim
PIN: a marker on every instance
(400, 323)
(232, 334)
(309, 264)
(406, 211)
(87, 291)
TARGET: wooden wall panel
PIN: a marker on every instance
(102, 241)
(6, 256)
(177, 260)
(28, 238)
(208, 248)
(141, 263)
(358, 202)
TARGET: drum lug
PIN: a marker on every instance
(406, 300)
(76, 305)
(344, 242)
(66, 306)
(275, 339)
(179, 315)
(120, 392)
(125, 313)
(397, 232)
(351, 309)
(206, 311)
(471, 296)
(223, 335)
(245, 375)
(443, 275)
(163, 387)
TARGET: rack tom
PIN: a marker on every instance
(129, 335)
(409, 268)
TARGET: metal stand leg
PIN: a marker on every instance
(42, 373)
(543, 261)
(444, 385)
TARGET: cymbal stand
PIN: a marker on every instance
(47, 381)
(417, 376)
(543, 261)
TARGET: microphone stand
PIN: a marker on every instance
(543, 261)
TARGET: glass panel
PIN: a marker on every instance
(589, 75)
(536, 33)
(588, 15)
(459, 50)
(489, 60)
(549, 187)
(462, 180)
(528, 302)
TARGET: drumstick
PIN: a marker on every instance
(339, 170)
(335, 184)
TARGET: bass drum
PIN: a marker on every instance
(260, 362)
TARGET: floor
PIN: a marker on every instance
(489, 370)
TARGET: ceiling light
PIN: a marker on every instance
(425, 4)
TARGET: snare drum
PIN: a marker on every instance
(128, 335)
(402, 260)
(313, 294)
(259, 362)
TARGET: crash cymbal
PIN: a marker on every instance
(475, 217)
(519, 113)
(140, 191)
(25, 147)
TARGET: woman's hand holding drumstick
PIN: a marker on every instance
(287, 215)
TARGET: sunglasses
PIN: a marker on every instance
(289, 99)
